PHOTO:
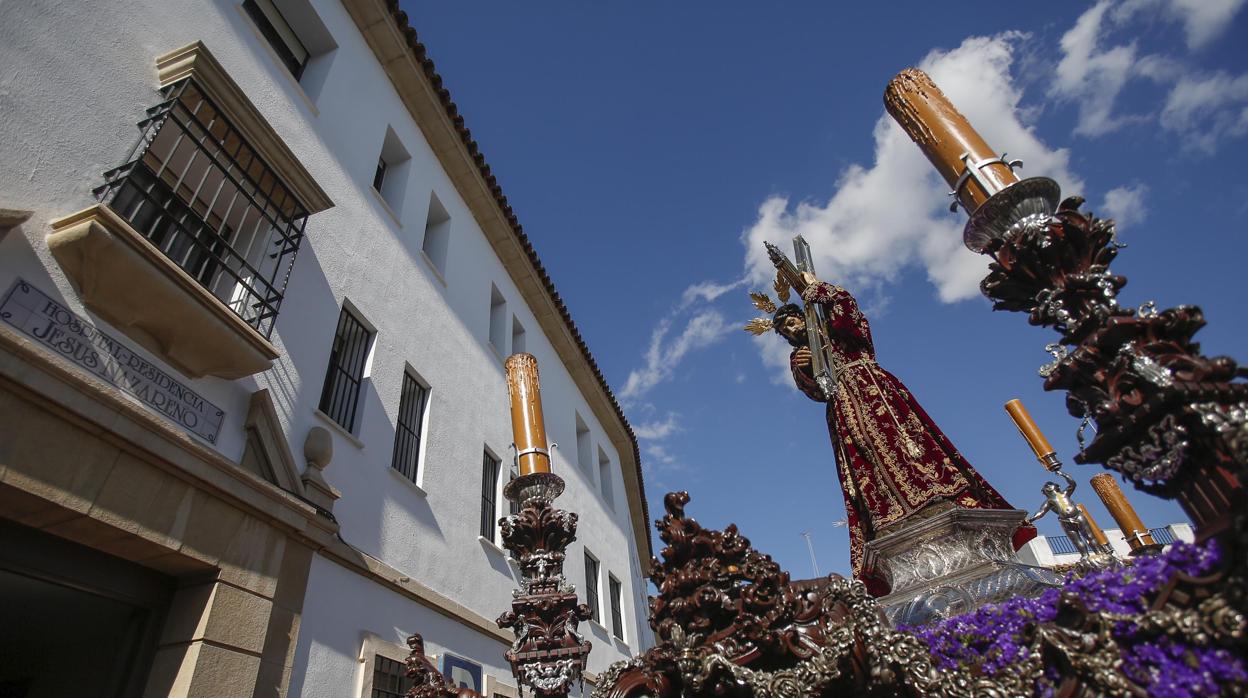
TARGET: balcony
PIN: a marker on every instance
(195, 236)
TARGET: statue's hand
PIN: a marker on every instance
(816, 291)
(801, 357)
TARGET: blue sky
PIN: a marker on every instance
(648, 149)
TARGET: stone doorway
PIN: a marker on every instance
(76, 621)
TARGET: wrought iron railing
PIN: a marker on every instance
(1061, 545)
(201, 194)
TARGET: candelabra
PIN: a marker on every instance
(1168, 418)
(548, 654)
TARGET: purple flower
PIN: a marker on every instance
(992, 637)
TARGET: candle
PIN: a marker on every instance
(1035, 438)
(1097, 533)
(1116, 502)
(946, 138)
(528, 428)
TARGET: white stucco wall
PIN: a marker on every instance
(1038, 551)
(75, 78)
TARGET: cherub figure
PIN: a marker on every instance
(1074, 523)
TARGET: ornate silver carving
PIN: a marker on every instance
(1147, 367)
(1009, 212)
(1157, 456)
(534, 487)
(1050, 307)
(551, 677)
(1228, 421)
(953, 562)
(1059, 352)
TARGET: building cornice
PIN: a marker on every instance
(393, 41)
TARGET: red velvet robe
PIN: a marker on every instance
(891, 457)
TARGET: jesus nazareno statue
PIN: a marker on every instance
(895, 465)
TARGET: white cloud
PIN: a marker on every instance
(1126, 205)
(664, 354)
(659, 458)
(1202, 20)
(654, 431)
(707, 291)
(895, 213)
(1202, 110)
(1090, 76)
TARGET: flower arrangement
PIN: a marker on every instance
(995, 637)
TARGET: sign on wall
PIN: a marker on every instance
(73, 337)
(462, 673)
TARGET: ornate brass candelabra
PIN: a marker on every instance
(548, 654)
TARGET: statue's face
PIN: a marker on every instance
(793, 327)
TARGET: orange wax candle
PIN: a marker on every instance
(945, 136)
(1116, 502)
(1027, 427)
(528, 427)
(1097, 533)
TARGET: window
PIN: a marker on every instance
(298, 37)
(517, 336)
(437, 234)
(389, 678)
(200, 193)
(380, 176)
(412, 403)
(617, 596)
(390, 177)
(604, 478)
(489, 494)
(514, 504)
(340, 394)
(279, 34)
(498, 319)
(591, 586)
(584, 448)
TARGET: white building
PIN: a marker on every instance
(230, 469)
(1058, 551)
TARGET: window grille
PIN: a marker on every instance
(278, 32)
(591, 586)
(407, 432)
(340, 394)
(199, 192)
(1061, 545)
(1163, 535)
(389, 678)
(489, 489)
(617, 618)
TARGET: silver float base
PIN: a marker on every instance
(952, 562)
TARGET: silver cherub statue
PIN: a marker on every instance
(1074, 523)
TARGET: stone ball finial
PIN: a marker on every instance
(318, 447)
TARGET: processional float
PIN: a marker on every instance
(729, 623)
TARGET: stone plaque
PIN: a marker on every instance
(73, 337)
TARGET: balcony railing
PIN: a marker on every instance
(1061, 545)
(199, 192)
